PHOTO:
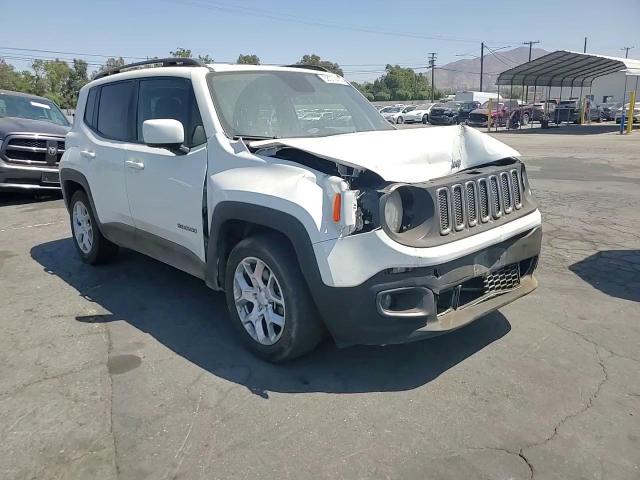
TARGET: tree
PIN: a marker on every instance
(109, 64)
(248, 59)
(78, 78)
(397, 83)
(205, 59)
(181, 53)
(314, 59)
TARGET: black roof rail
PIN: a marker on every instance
(319, 68)
(165, 62)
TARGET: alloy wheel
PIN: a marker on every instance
(82, 227)
(259, 300)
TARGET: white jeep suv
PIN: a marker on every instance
(310, 224)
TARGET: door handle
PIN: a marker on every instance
(135, 165)
(87, 154)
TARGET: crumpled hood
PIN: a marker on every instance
(24, 125)
(409, 156)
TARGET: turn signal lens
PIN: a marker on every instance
(337, 207)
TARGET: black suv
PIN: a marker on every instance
(32, 132)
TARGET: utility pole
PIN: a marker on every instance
(584, 50)
(531, 43)
(432, 65)
(481, 63)
(626, 49)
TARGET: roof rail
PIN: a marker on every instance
(165, 62)
(309, 67)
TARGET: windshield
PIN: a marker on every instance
(279, 104)
(393, 110)
(452, 105)
(31, 108)
(409, 109)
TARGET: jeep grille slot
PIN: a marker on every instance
(503, 280)
(458, 207)
(517, 194)
(479, 201)
(443, 209)
(507, 196)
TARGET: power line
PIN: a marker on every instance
(280, 16)
(626, 49)
(70, 53)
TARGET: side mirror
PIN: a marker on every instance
(165, 132)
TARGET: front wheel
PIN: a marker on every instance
(425, 119)
(525, 119)
(269, 301)
(90, 244)
(400, 121)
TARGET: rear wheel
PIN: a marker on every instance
(525, 119)
(400, 121)
(90, 244)
(425, 119)
(269, 301)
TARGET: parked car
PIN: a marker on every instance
(444, 113)
(397, 114)
(500, 112)
(368, 236)
(636, 113)
(609, 110)
(465, 109)
(420, 114)
(32, 131)
(570, 111)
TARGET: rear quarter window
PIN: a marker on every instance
(90, 108)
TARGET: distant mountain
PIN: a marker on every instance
(465, 74)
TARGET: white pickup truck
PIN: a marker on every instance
(337, 224)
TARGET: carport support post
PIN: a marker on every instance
(532, 104)
(632, 104)
(624, 99)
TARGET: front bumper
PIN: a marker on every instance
(27, 177)
(430, 300)
(443, 120)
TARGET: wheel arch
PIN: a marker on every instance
(71, 181)
(233, 221)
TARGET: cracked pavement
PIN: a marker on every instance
(130, 370)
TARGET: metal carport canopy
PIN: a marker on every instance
(565, 68)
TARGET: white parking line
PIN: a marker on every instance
(32, 226)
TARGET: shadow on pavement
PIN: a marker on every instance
(179, 311)
(614, 272)
(10, 198)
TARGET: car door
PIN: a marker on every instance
(106, 132)
(165, 185)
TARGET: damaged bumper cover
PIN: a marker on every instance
(407, 304)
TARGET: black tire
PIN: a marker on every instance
(425, 119)
(303, 329)
(102, 250)
(399, 121)
(525, 119)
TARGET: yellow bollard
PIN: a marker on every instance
(489, 117)
(632, 104)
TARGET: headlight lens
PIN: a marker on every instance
(393, 211)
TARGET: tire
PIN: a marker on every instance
(525, 119)
(425, 119)
(300, 329)
(92, 247)
(399, 121)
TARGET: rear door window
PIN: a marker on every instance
(114, 110)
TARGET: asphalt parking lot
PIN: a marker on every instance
(131, 371)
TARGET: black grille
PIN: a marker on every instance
(29, 150)
(502, 280)
(443, 207)
(471, 204)
(484, 201)
(506, 192)
(479, 200)
(495, 197)
(458, 207)
(32, 143)
(478, 117)
(516, 188)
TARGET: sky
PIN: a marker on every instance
(361, 35)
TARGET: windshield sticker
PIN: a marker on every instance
(40, 105)
(331, 78)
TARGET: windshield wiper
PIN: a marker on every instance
(253, 137)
